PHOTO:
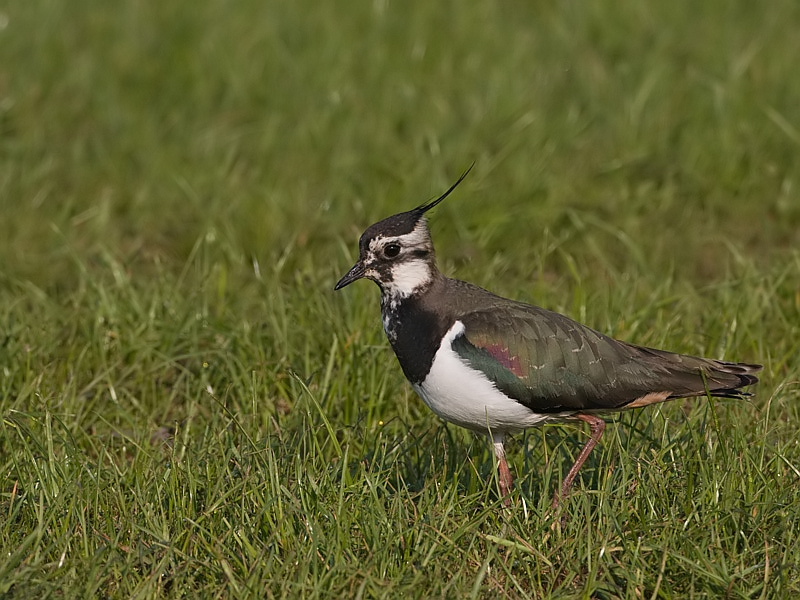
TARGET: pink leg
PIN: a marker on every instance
(504, 478)
(597, 426)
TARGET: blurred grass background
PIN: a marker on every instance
(188, 409)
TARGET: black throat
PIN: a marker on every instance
(415, 331)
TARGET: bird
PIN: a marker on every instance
(499, 366)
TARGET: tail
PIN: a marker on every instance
(729, 377)
(684, 376)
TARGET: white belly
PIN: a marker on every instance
(466, 397)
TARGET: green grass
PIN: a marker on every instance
(188, 410)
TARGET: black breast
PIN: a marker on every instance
(416, 332)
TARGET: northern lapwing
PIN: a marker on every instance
(499, 366)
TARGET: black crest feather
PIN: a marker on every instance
(423, 208)
(405, 222)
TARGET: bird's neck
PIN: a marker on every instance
(410, 278)
(415, 325)
(410, 283)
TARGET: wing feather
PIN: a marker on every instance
(551, 363)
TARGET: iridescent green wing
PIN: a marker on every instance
(550, 363)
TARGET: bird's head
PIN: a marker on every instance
(397, 252)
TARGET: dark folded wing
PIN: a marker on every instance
(551, 363)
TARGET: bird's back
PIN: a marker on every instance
(551, 363)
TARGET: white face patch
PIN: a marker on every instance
(406, 272)
(407, 277)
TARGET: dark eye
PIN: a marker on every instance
(391, 250)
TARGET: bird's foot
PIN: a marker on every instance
(505, 481)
